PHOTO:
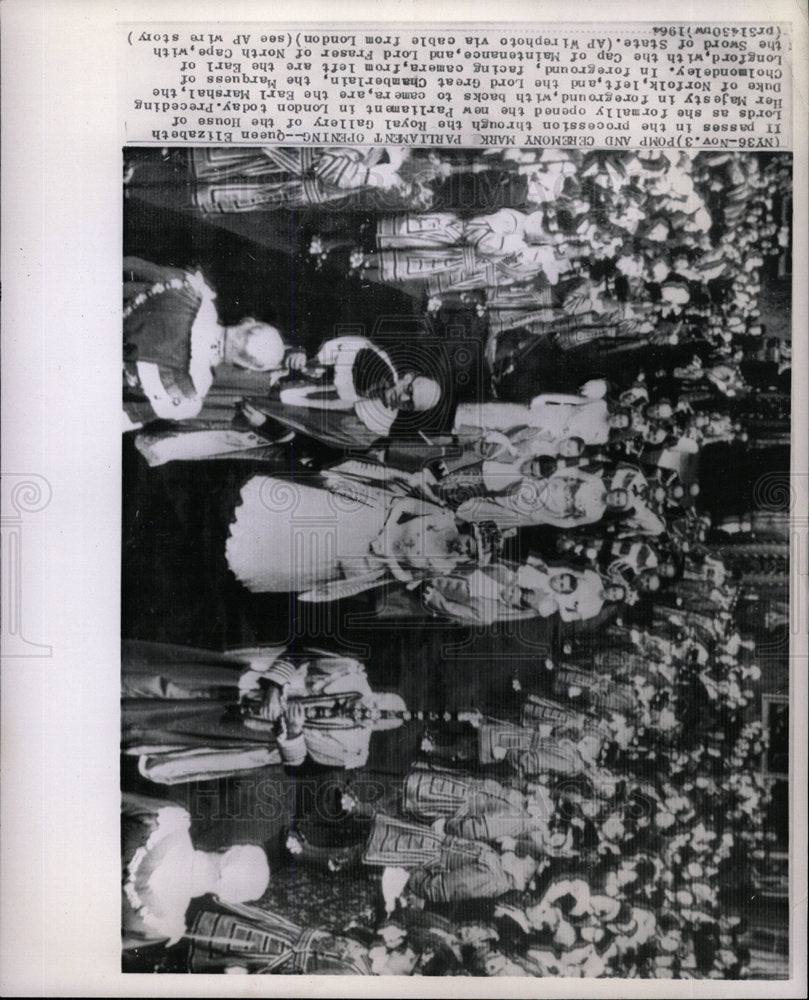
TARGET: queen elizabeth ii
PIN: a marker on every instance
(357, 526)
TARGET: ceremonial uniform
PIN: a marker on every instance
(429, 794)
(244, 938)
(528, 751)
(335, 734)
(445, 868)
(347, 409)
(444, 253)
(359, 373)
(172, 341)
(192, 714)
(229, 180)
(603, 693)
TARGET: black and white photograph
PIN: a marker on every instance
(455, 561)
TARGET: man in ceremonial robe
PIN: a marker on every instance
(231, 938)
(355, 401)
(444, 868)
(192, 714)
(173, 342)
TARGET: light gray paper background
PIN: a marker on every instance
(61, 230)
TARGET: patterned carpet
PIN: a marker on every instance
(316, 899)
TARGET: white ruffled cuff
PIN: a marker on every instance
(293, 750)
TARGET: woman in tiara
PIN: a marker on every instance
(514, 495)
(357, 526)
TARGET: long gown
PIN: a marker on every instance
(288, 536)
(555, 416)
(567, 498)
